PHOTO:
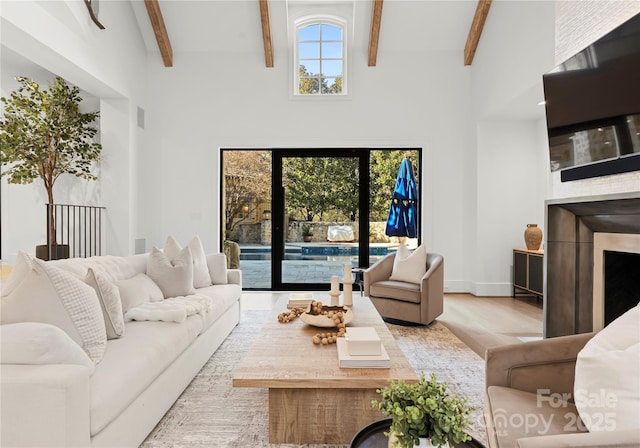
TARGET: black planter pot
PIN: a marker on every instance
(57, 252)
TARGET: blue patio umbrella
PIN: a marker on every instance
(402, 219)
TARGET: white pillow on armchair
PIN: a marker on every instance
(409, 267)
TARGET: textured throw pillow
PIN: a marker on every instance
(110, 302)
(53, 296)
(38, 343)
(24, 264)
(137, 290)
(217, 264)
(201, 277)
(607, 385)
(409, 267)
(174, 277)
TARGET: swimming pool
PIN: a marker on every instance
(314, 253)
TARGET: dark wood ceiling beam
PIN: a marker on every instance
(374, 34)
(265, 18)
(159, 29)
(482, 10)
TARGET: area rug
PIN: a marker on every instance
(212, 413)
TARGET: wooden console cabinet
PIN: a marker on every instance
(527, 271)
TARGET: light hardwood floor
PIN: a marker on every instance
(480, 322)
(483, 322)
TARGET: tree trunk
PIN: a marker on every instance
(51, 219)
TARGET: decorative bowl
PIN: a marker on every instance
(321, 320)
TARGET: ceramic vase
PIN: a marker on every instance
(533, 236)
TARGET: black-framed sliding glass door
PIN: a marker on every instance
(292, 218)
(320, 216)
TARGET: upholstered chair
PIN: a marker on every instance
(417, 302)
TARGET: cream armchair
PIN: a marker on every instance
(410, 302)
(527, 398)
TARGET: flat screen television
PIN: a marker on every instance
(592, 103)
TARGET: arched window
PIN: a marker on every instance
(320, 62)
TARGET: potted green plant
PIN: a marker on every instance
(307, 232)
(423, 413)
(43, 135)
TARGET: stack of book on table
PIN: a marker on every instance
(362, 348)
(300, 300)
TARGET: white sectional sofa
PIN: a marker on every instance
(117, 400)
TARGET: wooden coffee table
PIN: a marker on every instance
(311, 399)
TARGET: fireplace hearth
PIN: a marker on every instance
(572, 227)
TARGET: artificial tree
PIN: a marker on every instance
(43, 135)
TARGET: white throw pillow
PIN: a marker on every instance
(174, 277)
(409, 267)
(171, 247)
(38, 343)
(23, 265)
(217, 264)
(51, 295)
(607, 380)
(110, 302)
(201, 277)
(137, 290)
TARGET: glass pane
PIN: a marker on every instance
(321, 222)
(309, 85)
(332, 68)
(331, 50)
(247, 213)
(633, 123)
(310, 67)
(309, 50)
(384, 167)
(311, 32)
(330, 32)
(331, 85)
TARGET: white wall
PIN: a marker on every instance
(44, 39)
(516, 48)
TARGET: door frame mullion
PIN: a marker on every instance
(277, 205)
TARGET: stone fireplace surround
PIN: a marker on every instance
(569, 255)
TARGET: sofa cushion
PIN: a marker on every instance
(222, 297)
(38, 343)
(110, 266)
(53, 296)
(607, 385)
(405, 292)
(201, 277)
(24, 263)
(217, 264)
(132, 363)
(137, 290)
(174, 275)
(110, 302)
(409, 267)
(517, 414)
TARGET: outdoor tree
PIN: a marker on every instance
(247, 176)
(314, 83)
(43, 135)
(303, 179)
(317, 186)
(308, 83)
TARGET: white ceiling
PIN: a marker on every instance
(234, 25)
